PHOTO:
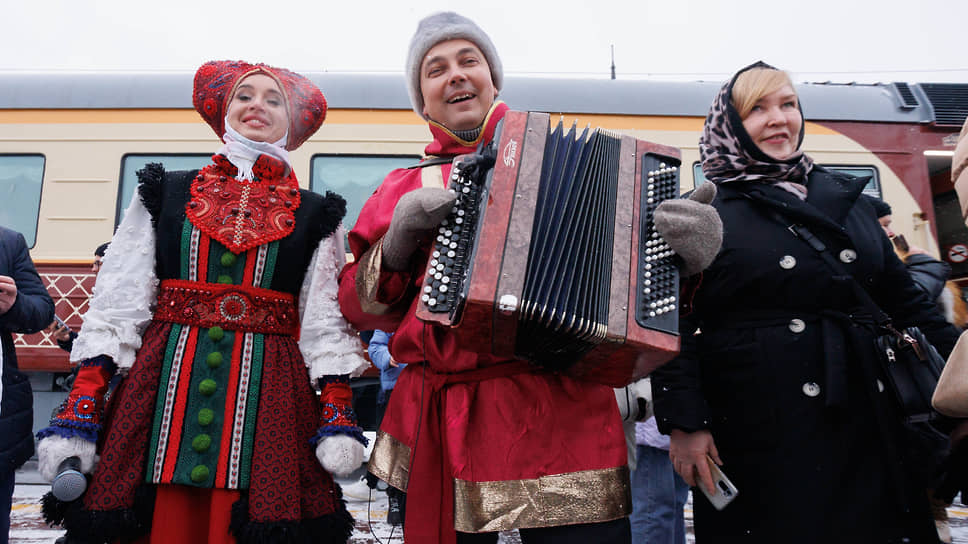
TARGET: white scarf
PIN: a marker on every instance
(243, 152)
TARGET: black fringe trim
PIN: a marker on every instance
(151, 181)
(101, 527)
(335, 528)
(334, 209)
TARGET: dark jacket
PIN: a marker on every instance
(32, 311)
(928, 273)
(776, 372)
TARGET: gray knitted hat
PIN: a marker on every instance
(441, 27)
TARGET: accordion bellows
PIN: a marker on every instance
(550, 253)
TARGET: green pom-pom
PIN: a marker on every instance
(214, 359)
(200, 474)
(216, 333)
(225, 278)
(206, 416)
(201, 443)
(228, 259)
(207, 387)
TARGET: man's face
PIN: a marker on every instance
(455, 81)
(96, 265)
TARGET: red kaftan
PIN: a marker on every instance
(479, 443)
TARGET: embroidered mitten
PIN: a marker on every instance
(339, 441)
(74, 430)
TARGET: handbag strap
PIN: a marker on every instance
(880, 317)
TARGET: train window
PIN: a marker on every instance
(872, 188)
(131, 163)
(354, 177)
(21, 177)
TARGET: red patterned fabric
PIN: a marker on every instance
(244, 214)
(286, 484)
(124, 445)
(231, 307)
(336, 399)
(84, 406)
(215, 83)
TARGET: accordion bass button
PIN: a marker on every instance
(507, 304)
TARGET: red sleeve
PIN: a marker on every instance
(370, 296)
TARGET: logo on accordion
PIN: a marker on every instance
(510, 151)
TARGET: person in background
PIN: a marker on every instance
(217, 302)
(659, 494)
(780, 388)
(481, 443)
(25, 307)
(928, 273)
(379, 351)
(61, 334)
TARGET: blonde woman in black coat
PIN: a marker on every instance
(773, 388)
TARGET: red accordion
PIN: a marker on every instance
(550, 253)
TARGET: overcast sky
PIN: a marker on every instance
(816, 40)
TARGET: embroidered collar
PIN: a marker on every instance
(244, 214)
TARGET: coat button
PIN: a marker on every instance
(880, 386)
(797, 325)
(788, 262)
(811, 389)
(848, 256)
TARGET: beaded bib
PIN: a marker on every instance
(244, 214)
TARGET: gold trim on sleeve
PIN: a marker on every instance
(390, 461)
(590, 496)
(432, 176)
(368, 279)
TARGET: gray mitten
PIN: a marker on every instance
(692, 228)
(416, 212)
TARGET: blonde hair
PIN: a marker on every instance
(754, 84)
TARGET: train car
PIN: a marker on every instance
(71, 144)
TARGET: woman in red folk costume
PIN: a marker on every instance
(217, 302)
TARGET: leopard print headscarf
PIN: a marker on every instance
(729, 154)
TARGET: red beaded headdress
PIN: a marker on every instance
(215, 83)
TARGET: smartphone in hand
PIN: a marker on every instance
(61, 322)
(725, 490)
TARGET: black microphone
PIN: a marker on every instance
(69, 484)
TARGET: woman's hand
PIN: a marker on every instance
(688, 452)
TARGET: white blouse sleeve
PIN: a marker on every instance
(327, 342)
(124, 293)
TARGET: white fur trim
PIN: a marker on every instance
(340, 454)
(53, 450)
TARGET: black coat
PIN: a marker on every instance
(32, 311)
(775, 373)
